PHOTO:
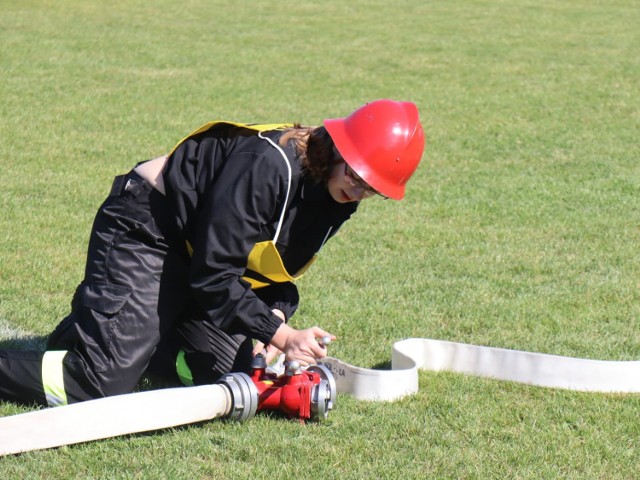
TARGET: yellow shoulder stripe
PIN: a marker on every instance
(261, 127)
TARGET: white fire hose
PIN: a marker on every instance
(237, 397)
(413, 354)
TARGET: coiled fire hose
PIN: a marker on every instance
(543, 370)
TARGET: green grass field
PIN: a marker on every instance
(521, 229)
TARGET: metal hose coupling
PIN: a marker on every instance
(304, 394)
(244, 396)
(324, 394)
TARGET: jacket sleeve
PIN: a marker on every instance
(283, 296)
(237, 210)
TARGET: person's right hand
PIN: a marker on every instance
(301, 345)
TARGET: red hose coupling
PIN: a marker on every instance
(304, 394)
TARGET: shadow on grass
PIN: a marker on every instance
(382, 366)
(276, 416)
(36, 343)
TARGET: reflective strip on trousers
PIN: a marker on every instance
(53, 379)
(183, 370)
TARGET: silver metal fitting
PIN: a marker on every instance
(244, 395)
(293, 368)
(323, 395)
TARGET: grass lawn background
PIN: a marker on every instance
(520, 229)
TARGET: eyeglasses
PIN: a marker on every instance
(357, 182)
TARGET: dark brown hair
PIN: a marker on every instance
(314, 148)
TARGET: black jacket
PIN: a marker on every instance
(228, 187)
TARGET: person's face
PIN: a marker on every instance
(345, 185)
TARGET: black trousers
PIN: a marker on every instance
(133, 311)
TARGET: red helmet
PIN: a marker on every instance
(382, 142)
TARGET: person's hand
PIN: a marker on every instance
(301, 345)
